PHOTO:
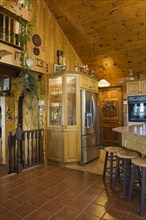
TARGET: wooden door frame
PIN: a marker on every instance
(117, 137)
(20, 110)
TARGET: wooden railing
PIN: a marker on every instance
(10, 29)
(25, 149)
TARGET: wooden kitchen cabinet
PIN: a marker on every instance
(71, 145)
(62, 118)
(136, 87)
(88, 83)
(64, 115)
(63, 145)
(55, 145)
(62, 100)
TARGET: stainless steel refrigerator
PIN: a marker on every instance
(90, 135)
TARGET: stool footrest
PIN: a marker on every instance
(138, 178)
(110, 162)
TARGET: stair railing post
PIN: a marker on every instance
(10, 146)
(18, 139)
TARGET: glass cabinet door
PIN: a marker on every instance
(55, 101)
(71, 100)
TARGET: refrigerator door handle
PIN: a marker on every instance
(92, 109)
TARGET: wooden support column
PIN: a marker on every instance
(4, 27)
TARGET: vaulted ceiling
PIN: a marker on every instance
(108, 35)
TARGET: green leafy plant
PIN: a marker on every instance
(29, 89)
(24, 37)
(9, 3)
(30, 84)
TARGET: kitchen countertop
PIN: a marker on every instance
(139, 130)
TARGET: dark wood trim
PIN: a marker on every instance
(20, 110)
(9, 70)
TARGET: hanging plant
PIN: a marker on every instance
(8, 3)
(21, 3)
(24, 37)
(30, 85)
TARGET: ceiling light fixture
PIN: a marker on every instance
(103, 83)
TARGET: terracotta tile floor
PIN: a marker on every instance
(52, 192)
(96, 166)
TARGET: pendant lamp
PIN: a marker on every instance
(103, 83)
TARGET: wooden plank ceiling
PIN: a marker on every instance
(108, 35)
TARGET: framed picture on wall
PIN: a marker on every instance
(17, 55)
(6, 86)
(39, 62)
(57, 68)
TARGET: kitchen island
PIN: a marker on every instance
(133, 137)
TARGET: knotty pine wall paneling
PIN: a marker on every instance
(53, 39)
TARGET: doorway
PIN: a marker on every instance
(110, 108)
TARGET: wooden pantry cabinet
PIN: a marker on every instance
(63, 145)
(88, 83)
(63, 139)
(137, 87)
(63, 116)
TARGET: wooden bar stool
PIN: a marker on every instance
(110, 156)
(125, 156)
(139, 169)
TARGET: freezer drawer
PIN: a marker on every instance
(91, 140)
(89, 154)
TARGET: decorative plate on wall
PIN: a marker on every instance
(36, 40)
(29, 61)
(36, 51)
